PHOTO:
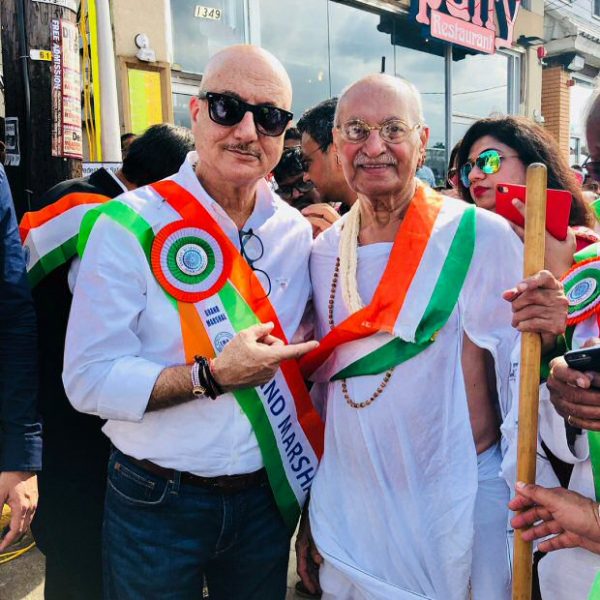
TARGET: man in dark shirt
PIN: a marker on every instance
(20, 429)
(68, 524)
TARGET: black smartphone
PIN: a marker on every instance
(584, 359)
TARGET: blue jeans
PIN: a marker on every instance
(160, 538)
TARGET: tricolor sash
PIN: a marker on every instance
(418, 291)
(217, 294)
(49, 235)
(582, 289)
(595, 591)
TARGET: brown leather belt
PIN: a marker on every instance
(223, 483)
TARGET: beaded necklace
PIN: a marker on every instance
(347, 264)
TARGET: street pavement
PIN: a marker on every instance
(23, 577)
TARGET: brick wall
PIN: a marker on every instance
(555, 105)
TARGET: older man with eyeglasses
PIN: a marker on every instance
(408, 502)
(188, 293)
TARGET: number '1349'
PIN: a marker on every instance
(207, 12)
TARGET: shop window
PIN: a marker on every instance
(479, 89)
(357, 48)
(580, 95)
(596, 5)
(296, 33)
(184, 87)
(202, 28)
(426, 72)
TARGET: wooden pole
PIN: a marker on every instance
(531, 349)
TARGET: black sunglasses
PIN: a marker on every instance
(228, 110)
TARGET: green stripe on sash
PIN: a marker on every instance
(594, 445)
(125, 216)
(438, 311)
(54, 259)
(241, 317)
(595, 591)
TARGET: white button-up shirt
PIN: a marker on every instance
(123, 332)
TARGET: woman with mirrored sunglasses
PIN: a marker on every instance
(498, 150)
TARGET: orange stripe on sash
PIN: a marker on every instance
(244, 280)
(382, 312)
(34, 219)
(195, 338)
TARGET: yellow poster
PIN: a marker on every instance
(145, 99)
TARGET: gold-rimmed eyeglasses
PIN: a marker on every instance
(392, 131)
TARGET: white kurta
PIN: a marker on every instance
(392, 506)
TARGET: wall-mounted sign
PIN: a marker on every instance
(87, 168)
(70, 4)
(67, 139)
(40, 55)
(208, 12)
(145, 99)
(12, 142)
(482, 25)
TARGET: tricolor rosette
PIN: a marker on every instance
(189, 262)
(582, 288)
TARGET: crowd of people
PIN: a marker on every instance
(255, 323)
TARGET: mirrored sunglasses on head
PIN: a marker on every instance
(227, 110)
(488, 162)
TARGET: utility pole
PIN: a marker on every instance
(42, 95)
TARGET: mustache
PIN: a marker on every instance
(243, 148)
(384, 159)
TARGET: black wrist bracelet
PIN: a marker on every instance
(206, 378)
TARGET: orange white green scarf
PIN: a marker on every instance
(217, 295)
(49, 235)
(417, 293)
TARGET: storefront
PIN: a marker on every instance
(325, 45)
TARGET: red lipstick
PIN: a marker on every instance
(479, 190)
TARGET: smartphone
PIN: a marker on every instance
(584, 359)
(558, 208)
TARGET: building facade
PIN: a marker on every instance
(572, 44)
(463, 57)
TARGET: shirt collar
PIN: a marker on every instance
(266, 201)
(117, 180)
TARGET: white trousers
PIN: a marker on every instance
(491, 565)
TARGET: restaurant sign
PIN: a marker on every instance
(481, 25)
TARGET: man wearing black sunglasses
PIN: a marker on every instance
(212, 459)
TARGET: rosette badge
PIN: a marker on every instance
(188, 262)
(582, 288)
